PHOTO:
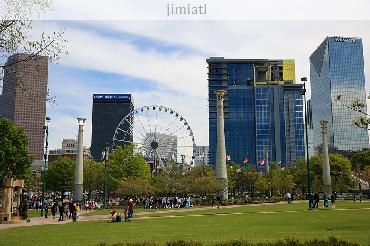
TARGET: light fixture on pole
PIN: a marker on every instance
(46, 129)
(304, 80)
(105, 155)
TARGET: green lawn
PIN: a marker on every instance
(352, 225)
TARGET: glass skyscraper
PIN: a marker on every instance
(263, 110)
(337, 70)
(108, 111)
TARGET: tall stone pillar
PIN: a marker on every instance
(78, 184)
(221, 171)
(267, 164)
(326, 178)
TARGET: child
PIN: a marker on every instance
(126, 214)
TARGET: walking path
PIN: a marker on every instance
(145, 215)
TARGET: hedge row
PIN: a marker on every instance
(332, 241)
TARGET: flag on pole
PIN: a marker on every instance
(173, 157)
(245, 160)
(262, 162)
(228, 158)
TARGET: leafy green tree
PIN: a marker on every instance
(360, 160)
(14, 155)
(262, 183)
(202, 181)
(133, 187)
(299, 172)
(60, 175)
(248, 180)
(161, 184)
(125, 163)
(233, 177)
(93, 176)
(340, 171)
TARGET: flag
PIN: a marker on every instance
(262, 162)
(228, 158)
(245, 161)
(279, 163)
(173, 157)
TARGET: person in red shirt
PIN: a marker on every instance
(130, 209)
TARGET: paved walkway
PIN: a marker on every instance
(43, 221)
(145, 215)
(39, 221)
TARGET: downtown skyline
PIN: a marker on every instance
(162, 63)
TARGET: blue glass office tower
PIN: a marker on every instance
(263, 110)
(337, 69)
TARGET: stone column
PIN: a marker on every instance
(267, 161)
(78, 184)
(326, 178)
(7, 198)
(221, 171)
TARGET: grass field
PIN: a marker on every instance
(350, 221)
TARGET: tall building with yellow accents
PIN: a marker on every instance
(263, 110)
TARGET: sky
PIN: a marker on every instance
(163, 62)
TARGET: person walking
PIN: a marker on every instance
(316, 200)
(46, 210)
(54, 209)
(332, 199)
(326, 200)
(289, 197)
(61, 212)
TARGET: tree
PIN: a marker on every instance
(133, 187)
(202, 181)
(299, 172)
(93, 176)
(366, 174)
(262, 183)
(360, 160)
(14, 155)
(340, 171)
(60, 175)
(125, 163)
(15, 26)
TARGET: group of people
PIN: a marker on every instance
(325, 198)
(67, 210)
(155, 202)
(128, 213)
(315, 199)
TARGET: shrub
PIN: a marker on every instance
(331, 241)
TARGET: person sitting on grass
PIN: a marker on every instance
(118, 218)
(113, 215)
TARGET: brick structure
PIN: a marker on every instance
(23, 98)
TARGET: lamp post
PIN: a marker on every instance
(105, 157)
(46, 129)
(304, 80)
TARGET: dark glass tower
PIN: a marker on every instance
(108, 111)
(263, 110)
(337, 69)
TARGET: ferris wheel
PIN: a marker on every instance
(160, 133)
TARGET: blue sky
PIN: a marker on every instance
(163, 62)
